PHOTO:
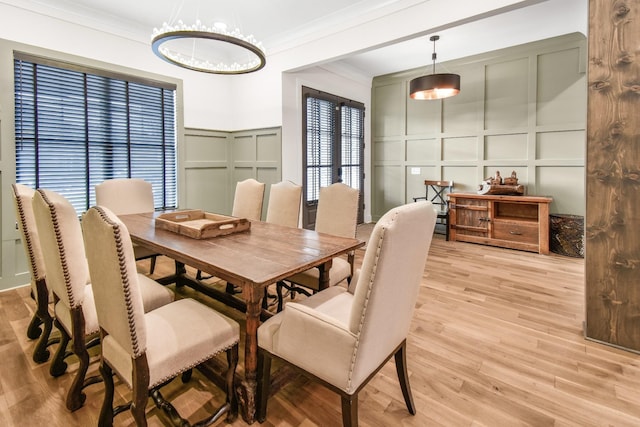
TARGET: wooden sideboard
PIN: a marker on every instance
(514, 222)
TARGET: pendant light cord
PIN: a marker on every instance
(434, 55)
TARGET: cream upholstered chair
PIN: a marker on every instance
(284, 204)
(337, 214)
(283, 209)
(22, 197)
(148, 350)
(247, 203)
(128, 196)
(68, 276)
(342, 337)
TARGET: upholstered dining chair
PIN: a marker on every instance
(129, 196)
(342, 337)
(337, 214)
(284, 204)
(147, 350)
(42, 322)
(68, 276)
(283, 209)
(247, 200)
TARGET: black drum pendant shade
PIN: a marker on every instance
(434, 86)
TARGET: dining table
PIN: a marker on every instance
(252, 260)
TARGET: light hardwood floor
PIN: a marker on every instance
(496, 341)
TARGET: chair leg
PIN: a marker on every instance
(40, 352)
(446, 228)
(106, 412)
(264, 380)
(199, 276)
(75, 396)
(186, 376)
(138, 410)
(33, 330)
(403, 377)
(152, 267)
(140, 390)
(232, 399)
(231, 289)
(58, 365)
(279, 287)
(350, 410)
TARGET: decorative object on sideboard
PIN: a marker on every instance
(498, 185)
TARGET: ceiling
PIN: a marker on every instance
(281, 23)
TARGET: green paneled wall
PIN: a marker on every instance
(214, 161)
(520, 109)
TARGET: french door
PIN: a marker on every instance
(333, 145)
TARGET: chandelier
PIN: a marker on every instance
(209, 49)
(434, 86)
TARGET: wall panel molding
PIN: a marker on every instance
(213, 161)
(517, 109)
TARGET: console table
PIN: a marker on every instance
(514, 222)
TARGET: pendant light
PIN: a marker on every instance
(434, 86)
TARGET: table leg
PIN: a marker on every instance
(248, 387)
(324, 274)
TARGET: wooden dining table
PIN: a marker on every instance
(252, 260)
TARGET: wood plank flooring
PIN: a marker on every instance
(496, 340)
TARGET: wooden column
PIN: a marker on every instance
(612, 253)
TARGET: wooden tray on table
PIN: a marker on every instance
(198, 224)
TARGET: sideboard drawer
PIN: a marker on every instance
(516, 231)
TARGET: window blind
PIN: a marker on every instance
(352, 134)
(320, 135)
(75, 129)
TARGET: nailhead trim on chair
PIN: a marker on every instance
(27, 238)
(193, 365)
(63, 257)
(366, 303)
(137, 351)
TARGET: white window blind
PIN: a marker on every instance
(75, 128)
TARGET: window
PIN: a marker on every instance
(334, 141)
(76, 127)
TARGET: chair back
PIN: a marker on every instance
(284, 204)
(247, 202)
(436, 193)
(388, 284)
(337, 210)
(22, 198)
(114, 279)
(125, 196)
(62, 247)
